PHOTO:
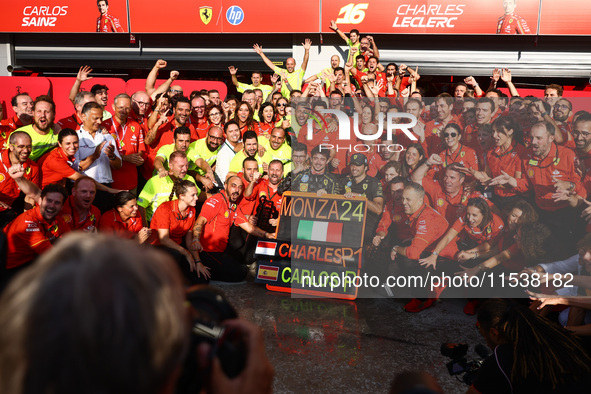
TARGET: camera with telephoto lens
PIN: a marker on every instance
(460, 364)
(209, 308)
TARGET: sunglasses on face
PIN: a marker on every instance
(282, 104)
(452, 135)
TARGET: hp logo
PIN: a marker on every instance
(235, 15)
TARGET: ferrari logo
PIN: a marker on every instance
(205, 13)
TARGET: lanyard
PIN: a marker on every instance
(457, 154)
(535, 163)
(409, 223)
(124, 128)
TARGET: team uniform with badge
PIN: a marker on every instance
(9, 190)
(306, 181)
(88, 223)
(156, 191)
(491, 233)
(108, 24)
(56, 167)
(369, 188)
(512, 24)
(111, 223)
(129, 139)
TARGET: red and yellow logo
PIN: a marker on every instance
(440, 202)
(67, 218)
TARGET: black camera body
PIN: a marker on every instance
(209, 309)
(460, 364)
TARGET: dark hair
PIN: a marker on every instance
(549, 126)
(213, 91)
(392, 164)
(339, 69)
(250, 120)
(354, 31)
(99, 1)
(405, 168)
(14, 102)
(454, 126)
(528, 213)
(181, 99)
(542, 350)
(248, 135)
(54, 188)
(299, 147)
(482, 205)
(276, 161)
(211, 107)
(323, 152)
(583, 117)
(489, 101)
(505, 123)
(66, 133)
(181, 130)
(90, 106)
(122, 198)
(534, 240)
(180, 187)
(228, 123)
(449, 100)
(263, 107)
(398, 179)
(456, 167)
(413, 100)
(247, 159)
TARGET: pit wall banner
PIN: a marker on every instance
(63, 16)
(432, 16)
(473, 17)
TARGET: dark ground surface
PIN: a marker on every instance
(334, 346)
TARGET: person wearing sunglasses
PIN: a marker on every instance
(455, 151)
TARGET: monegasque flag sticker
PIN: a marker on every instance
(266, 248)
(268, 273)
(312, 230)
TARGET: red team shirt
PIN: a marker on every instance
(491, 233)
(71, 122)
(512, 24)
(426, 226)
(69, 215)
(167, 216)
(220, 216)
(29, 235)
(129, 139)
(9, 190)
(510, 162)
(108, 24)
(56, 167)
(111, 222)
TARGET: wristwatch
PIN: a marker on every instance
(435, 253)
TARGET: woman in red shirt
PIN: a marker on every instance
(266, 119)
(174, 222)
(215, 115)
(123, 220)
(475, 233)
(244, 117)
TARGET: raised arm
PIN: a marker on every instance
(81, 77)
(506, 77)
(31, 191)
(259, 49)
(151, 80)
(163, 88)
(418, 174)
(306, 44)
(470, 81)
(374, 47)
(233, 70)
(335, 28)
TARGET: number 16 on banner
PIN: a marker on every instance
(354, 13)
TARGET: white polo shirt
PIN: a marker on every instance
(100, 169)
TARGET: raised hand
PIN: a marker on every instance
(307, 44)
(496, 74)
(257, 48)
(333, 25)
(470, 81)
(174, 75)
(83, 73)
(160, 64)
(233, 70)
(506, 75)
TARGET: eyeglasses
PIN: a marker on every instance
(562, 106)
(214, 113)
(141, 103)
(201, 107)
(211, 137)
(282, 104)
(452, 135)
(175, 91)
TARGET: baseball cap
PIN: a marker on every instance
(97, 87)
(358, 159)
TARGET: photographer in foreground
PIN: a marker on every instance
(530, 354)
(99, 314)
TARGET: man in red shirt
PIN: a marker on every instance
(19, 149)
(129, 137)
(212, 230)
(446, 194)
(34, 232)
(198, 119)
(74, 121)
(485, 108)
(545, 167)
(162, 133)
(267, 190)
(106, 23)
(78, 211)
(427, 227)
(444, 104)
(22, 104)
(511, 23)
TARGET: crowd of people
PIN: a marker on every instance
(478, 181)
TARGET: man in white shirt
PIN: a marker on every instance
(97, 152)
(228, 150)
